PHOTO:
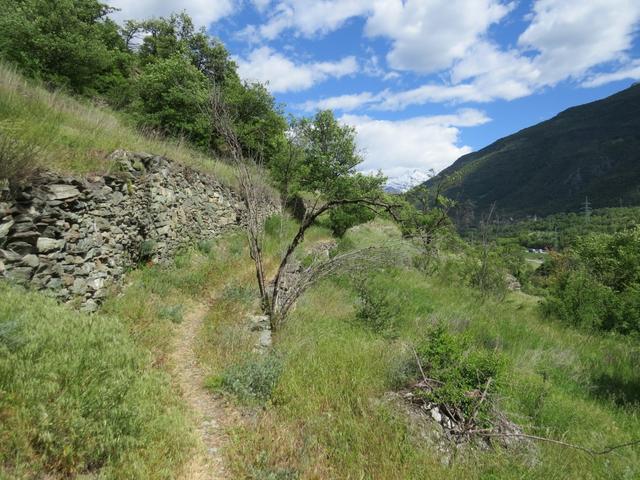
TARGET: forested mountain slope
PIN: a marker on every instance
(592, 151)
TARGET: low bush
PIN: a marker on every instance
(596, 284)
(375, 310)
(462, 374)
(251, 381)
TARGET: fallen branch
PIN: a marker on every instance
(479, 404)
(426, 379)
(489, 433)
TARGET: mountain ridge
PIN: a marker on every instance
(587, 151)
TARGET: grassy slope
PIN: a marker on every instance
(76, 136)
(328, 417)
(79, 396)
(93, 394)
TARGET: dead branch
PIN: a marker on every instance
(490, 433)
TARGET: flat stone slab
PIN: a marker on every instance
(62, 192)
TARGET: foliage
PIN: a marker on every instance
(332, 416)
(321, 160)
(562, 230)
(375, 310)
(462, 373)
(596, 283)
(171, 96)
(78, 396)
(70, 43)
(252, 381)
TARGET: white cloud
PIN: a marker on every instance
(628, 72)
(566, 39)
(283, 75)
(310, 17)
(572, 36)
(203, 12)
(429, 35)
(420, 143)
(345, 103)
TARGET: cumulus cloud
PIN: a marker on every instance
(572, 36)
(309, 17)
(429, 35)
(420, 143)
(345, 103)
(628, 72)
(203, 12)
(283, 75)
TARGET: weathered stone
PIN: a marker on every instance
(62, 192)
(2, 267)
(54, 284)
(79, 287)
(20, 275)
(20, 247)
(95, 284)
(88, 231)
(265, 339)
(89, 306)
(5, 228)
(46, 245)
(10, 256)
(435, 414)
(31, 260)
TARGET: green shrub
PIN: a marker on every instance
(463, 372)
(596, 284)
(171, 97)
(78, 396)
(375, 309)
(146, 250)
(251, 381)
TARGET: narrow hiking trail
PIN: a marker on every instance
(212, 416)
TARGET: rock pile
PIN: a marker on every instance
(72, 236)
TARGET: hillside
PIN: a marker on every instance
(67, 134)
(592, 151)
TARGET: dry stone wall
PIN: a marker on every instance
(73, 236)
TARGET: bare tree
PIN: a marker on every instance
(281, 294)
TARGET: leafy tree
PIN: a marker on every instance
(163, 38)
(172, 96)
(321, 160)
(257, 120)
(596, 283)
(70, 43)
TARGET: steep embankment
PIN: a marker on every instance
(592, 151)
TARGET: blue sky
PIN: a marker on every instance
(424, 81)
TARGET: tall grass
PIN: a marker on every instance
(74, 135)
(79, 397)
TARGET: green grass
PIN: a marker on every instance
(330, 414)
(73, 135)
(92, 395)
(78, 396)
